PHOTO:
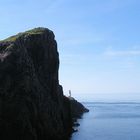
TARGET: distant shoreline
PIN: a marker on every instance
(114, 102)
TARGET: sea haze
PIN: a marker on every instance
(110, 121)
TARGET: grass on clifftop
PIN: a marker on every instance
(39, 30)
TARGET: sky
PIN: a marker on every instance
(98, 43)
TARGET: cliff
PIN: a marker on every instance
(32, 105)
(77, 109)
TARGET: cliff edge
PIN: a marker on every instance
(32, 105)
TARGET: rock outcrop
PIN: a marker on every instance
(32, 105)
(77, 109)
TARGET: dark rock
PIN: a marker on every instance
(74, 130)
(31, 100)
(76, 124)
(32, 105)
(77, 109)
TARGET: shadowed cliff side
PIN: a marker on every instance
(32, 105)
(77, 109)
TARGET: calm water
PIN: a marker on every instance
(110, 121)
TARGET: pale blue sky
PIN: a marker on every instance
(98, 42)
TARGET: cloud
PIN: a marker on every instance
(122, 53)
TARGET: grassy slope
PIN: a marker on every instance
(39, 30)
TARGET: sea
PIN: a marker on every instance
(109, 121)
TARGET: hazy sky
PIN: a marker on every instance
(98, 42)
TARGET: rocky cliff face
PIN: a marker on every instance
(77, 109)
(32, 105)
(31, 100)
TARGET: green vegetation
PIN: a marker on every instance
(12, 38)
(39, 30)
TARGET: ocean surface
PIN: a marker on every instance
(109, 121)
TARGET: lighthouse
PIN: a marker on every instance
(69, 93)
